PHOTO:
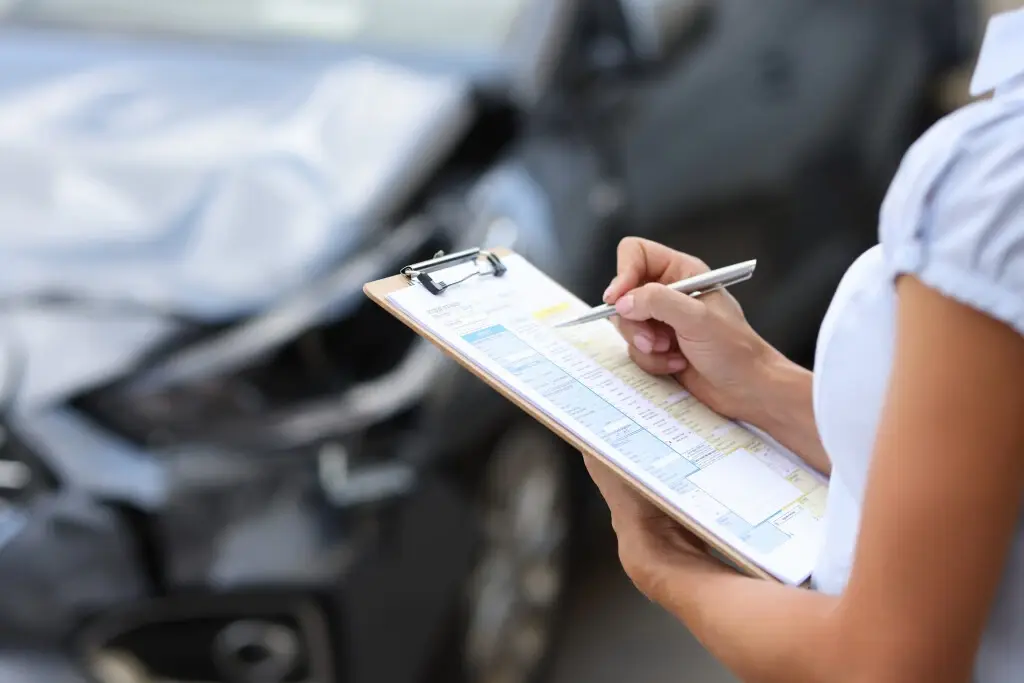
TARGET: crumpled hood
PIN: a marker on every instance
(192, 180)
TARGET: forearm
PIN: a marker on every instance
(784, 408)
(764, 632)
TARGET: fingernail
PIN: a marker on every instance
(608, 292)
(624, 306)
(662, 343)
(643, 343)
(677, 364)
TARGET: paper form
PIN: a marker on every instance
(762, 502)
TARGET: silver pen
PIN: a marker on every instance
(694, 286)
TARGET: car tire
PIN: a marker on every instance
(511, 614)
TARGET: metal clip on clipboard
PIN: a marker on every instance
(425, 272)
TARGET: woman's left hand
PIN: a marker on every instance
(649, 540)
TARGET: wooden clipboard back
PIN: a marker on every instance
(380, 290)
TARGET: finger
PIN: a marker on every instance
(604, 478)
(659, 364)
(683, 313)
(595, 468)
(641, 260)
(608, 481)
(660, 357)
(647, 336)
(624, 502)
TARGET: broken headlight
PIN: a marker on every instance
(22, 474)
(177, 414)
(323, 363)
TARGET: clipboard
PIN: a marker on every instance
(429, 274)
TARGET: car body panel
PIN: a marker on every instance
(193, 185)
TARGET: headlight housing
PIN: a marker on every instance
(176, 414)
(252, 385)
(22, 474)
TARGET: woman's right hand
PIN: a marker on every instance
(706, 342)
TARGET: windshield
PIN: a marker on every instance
(431, 24)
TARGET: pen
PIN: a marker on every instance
(694, 286)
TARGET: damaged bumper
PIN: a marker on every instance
(241, 567)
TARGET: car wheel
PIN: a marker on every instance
(512, 602)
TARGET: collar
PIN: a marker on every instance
(1002, 53)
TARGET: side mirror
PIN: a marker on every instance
(659, 29)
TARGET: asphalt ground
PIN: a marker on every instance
(615, 635)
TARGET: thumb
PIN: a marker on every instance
(654, 301)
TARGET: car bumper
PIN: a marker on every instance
(242, 557)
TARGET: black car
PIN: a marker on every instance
(218, 460)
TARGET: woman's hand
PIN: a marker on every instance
(651, 544)
(706, 342)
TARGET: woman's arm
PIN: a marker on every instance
(784, 409)
(942, 503)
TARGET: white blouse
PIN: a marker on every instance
(954, 218)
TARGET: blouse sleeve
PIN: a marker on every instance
(954, 216)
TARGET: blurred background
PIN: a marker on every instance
(219, 463)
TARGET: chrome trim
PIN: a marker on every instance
(365, 404)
